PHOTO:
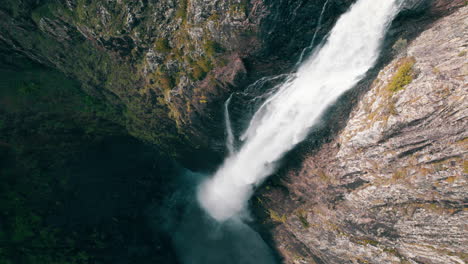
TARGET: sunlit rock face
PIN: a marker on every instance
(391, 186)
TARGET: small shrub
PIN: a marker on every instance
(276, 217)
(165, 81)
(400, 45)
(28, 88)
(203, 101)
(181, 11)
(462, 53)
(239, 8)
(403, 76)
(301, 214)
(200, 68)
(205, 64)
(43, 11)
(212, 47)
(213, 17)
(197, 73)
(162, 45)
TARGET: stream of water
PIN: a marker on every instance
(215, 228)
(285, 118)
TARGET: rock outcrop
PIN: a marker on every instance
(165, 66)
(392, 186)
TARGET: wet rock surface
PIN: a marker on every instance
(392, 186)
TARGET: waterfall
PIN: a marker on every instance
(285, 118)
(317, 28)
(227, 120)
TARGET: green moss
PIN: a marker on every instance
(14, 7)
(44, 11)
(102, 74)
(162, 45)
(212, 48)
(403, 75)
(43, 129)
(200, 68)
(276, 217)
(238, 8)
(165, 81)
(301, 214)
(205, 64)
(214, 18)
(181, 11)
(197, 73)
(366, 241)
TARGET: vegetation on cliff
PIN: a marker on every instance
(60, 148)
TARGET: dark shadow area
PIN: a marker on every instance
(74, 185)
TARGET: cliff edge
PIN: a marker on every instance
(392, 186)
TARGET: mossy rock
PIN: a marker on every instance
(403, 75)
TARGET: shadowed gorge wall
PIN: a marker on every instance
(165, 66)
(75, 185)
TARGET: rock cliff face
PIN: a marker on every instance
(391, 187)
(165, 66)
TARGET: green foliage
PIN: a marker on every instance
(42, 11)
(181, 11)
(12, 6)
(205, 64)
(403, 75)
(200, 68)
(197, 73)
(162, 45)
(44, 118)
(238, 8)
(165, 81)
(212, 47)
(368, 242)
(462, 53)
(213, 17)
(276, 217)
(302, 215)
(27, 88)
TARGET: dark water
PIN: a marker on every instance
(199, 239)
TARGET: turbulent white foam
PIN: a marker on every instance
(286, 117)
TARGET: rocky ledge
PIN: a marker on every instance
(392, 186)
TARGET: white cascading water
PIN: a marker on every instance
(227, 120)
(285, 118)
